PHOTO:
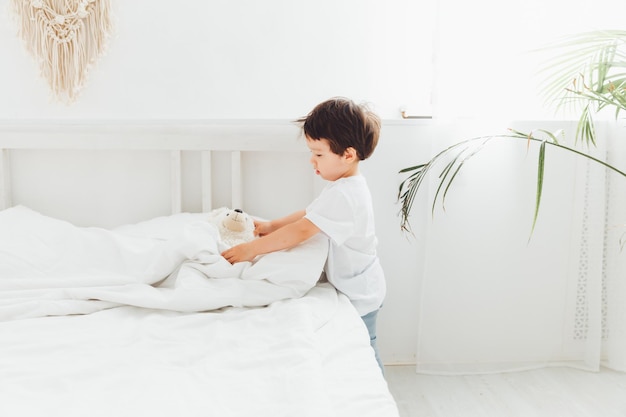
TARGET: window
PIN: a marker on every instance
(485, 66)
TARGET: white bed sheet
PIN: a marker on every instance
(298, 357)
(306, 353)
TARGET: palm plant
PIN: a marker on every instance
(589, 70)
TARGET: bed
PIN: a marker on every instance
(105, 317)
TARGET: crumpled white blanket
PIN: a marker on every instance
(51, 267)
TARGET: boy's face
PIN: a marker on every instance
(329, 165)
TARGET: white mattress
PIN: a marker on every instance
(297, 354)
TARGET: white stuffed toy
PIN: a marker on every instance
(234, 226)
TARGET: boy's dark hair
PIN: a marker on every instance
(345, 125)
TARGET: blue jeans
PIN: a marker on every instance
(370, 322)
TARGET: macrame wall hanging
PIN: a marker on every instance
(65, 37)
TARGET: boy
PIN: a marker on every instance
(339, 134)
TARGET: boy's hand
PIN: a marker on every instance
(262, 228)
(239, 253)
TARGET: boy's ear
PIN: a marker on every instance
(350, 154)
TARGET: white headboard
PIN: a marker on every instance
(33, 144)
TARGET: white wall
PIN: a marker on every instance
(235, 60)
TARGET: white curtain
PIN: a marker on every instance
(493, 296)
(613, 301)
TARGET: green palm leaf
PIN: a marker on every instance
(540, 171)
(454, 158)
(589, 70)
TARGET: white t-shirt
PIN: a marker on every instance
(343, 212)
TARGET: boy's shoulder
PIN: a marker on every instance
(351, 180)
(355, 182)
(354, 187)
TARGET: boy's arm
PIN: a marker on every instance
(265, 228)
(285, 237)
(284, 221)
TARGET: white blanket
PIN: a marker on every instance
(51, 267)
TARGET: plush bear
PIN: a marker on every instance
(234, 226)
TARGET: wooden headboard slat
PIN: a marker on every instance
(5, 179)
(207, 185)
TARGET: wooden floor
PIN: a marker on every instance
(547, 392)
